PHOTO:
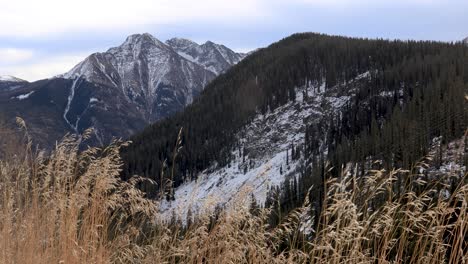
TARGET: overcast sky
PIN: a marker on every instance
(43, 38)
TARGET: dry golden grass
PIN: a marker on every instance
(71, 207)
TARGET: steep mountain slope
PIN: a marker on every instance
(258, 123)
(151, 75)
(117, 92)
(264, 158)
(50, 111)
(269, 161)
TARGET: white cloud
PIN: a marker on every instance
(13, 55)
(32, 18)
(43, 68)
(24, 20)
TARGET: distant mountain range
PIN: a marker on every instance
(117, 92)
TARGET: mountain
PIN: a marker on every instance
(151, 75)
(214, 57)
(120, 91)
(8, 82)
(306, 105)
(9, 78)
(465, 41)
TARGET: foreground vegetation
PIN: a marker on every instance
(71, 207)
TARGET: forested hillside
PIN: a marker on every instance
(414, 92)
(317, 149)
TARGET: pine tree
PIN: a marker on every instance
(189, 220)
(254, 208)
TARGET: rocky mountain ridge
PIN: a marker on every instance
(117, 92)
(8, 82)
(158, 78)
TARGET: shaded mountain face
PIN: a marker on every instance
(117, 92)
(10, 82)
(54, 107)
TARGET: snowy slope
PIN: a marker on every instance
(266, 140)
(263, 157)
(447, 159)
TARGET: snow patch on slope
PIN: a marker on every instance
(23, 96)
(69, 102)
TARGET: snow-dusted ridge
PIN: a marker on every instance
(117, 92)
(214, 57)
(157, 77)
(267, 140)
(9, 78)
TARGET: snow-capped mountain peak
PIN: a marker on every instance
(141, 41)
(146, 76)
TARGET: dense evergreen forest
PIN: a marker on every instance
(427, 81)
